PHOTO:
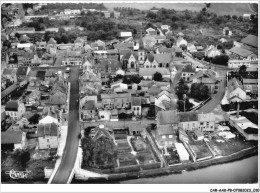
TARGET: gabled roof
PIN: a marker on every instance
(52, 41)
(240, 51)
(154, 90)
(47, 129)
(128, 55)
(58, 98)
(99, 132)
(250, 81)
(9, 90)
(11, 137)
(206, 117)
(135, 127)
(8, 71)
(136, 101)
(165, 129)
(79, 40)
(151, 71)
(167, 117)
(250, 40)
(163, 58)
(11, 106)
(188, 68)
(188, 116)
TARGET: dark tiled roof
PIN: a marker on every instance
(135, 127)
(11, 137)
(250, 40)
(8, 71)
(47, 129)
(188, 116)
(11, 106)
(9, 90)
(167, 117)
(128, 54)
(136, 101)
(188, 68)
(165, 129)
(240, 51)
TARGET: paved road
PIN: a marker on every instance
(71, 147)
(216, 99)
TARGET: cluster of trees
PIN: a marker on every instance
(100, 154)
(199, 91)
(132, 79)
(61, 6)
(127, 11)
(221, 60)
(157, 76)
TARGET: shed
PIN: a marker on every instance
(182, 152)
(199, 135)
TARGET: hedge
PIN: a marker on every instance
(127, 169)
(151, 166)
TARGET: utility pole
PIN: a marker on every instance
(184, 99)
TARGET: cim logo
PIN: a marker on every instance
(18, 174)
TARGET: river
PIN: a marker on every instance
(239, 172)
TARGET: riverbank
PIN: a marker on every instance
(177, 169)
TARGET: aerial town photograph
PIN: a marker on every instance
(129, 93)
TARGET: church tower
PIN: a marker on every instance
(141, 51)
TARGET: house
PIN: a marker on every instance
(101, 131)
(32, 98)
(180, 41)
(150, 62)
(212, 52)
(48, 136)
(13, 139)
(191, 48)
(250, 85)
(149, 41)
(188, 121)
(116, 100)
(182, 152)
(6, 94)
(109, 66)
(73, 58)
(206, 77)
(187, 72)
(15, 109)
(235, 64)
(242, 54)
(250, 40)
(88, 111)
(180, 34)
(117, 14)
(136, 106)
(135, 128)
(206, 122)
(147, 73)
(10, 74)
(151, 30)
(162, 100)
(227, 31)
(22, 73)
(165, 27)
(58, 98)
(163, 60)
(118, 87)
(234, 92)
(125, 34)
(79, 42)
(130, 60)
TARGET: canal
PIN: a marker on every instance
(240, 172)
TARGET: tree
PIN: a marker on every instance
(64, 39)
(208, 5)
(204, 9)
(151, 15)
(219, 20)
(240, 18)
(157, 76)
(34, 119)
(242, 70)
(181, 89)
(183, 47)
(221, 60)
(234, 17)
(175, 18)
(21, 156)
(199, 91)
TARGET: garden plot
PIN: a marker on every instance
(200, 148)
(172, 157)
(144, 153)
(125, 157)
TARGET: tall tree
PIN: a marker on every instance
(157, 76)
(181, 89)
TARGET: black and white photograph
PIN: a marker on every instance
(142, 93)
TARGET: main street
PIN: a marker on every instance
(71, 147)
